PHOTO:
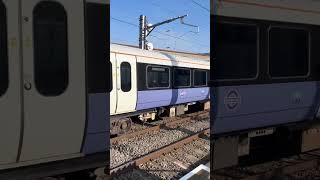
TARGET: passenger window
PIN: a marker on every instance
(199, 78)
(158, 77)
(288, 52)
(182, 77)
(99, 73)
(125, 76)
(4, 79)
(236, 51)
(50, 33)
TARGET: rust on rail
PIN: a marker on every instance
(134, 134)
(157, 153)
(156, 128)
(169, 148)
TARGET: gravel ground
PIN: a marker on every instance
(310, 174)
(275, 166)
(137, 127)
(199, 126)
(132, 148)
(173, 165)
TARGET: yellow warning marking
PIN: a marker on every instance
(13, 42)
(28, 42)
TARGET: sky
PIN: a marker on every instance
(124, 23)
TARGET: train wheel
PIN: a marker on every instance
(121, 126)
(125, 125)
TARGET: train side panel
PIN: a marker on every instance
(10, 99)
(64, 124)
(252, 106)
(159, 98)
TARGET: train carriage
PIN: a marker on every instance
(53, 98)
(146, 82)
(266, 69)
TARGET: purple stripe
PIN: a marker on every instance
(158, 98)
(236, 123)
(263, 105)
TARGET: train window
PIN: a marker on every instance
(99, 68)
(199, 78)
(4, 81)
(236, 51)
(288, 52)
(158, 77)
(182, 77)
(125, 76)
(50, 48)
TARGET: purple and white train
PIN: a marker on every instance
(148, 83)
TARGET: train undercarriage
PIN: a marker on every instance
(262, 145)
(121, 124)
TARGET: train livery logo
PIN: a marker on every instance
(232, 100)
(183, 93)
(296, 98)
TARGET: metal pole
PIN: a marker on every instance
(145, 30)
(142, 32)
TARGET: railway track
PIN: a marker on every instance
(131, 146)
(132, 150)
(169, 162)
(166, 122)
(302, 166)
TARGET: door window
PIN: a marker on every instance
(125, 76)
(4, 79)
(50, 48)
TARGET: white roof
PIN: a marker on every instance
(161, 58)
(295, 11)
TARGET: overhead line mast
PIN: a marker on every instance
(145, 29)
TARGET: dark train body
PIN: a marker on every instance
(265, 71)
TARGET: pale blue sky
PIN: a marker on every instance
(174, 36)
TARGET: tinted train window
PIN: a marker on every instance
(182, 77)
(288, 52)
(50, 48)
(99, 73)
(158, 77)
(125, 77)
(4, 79)
(199, 78)
(235, 51)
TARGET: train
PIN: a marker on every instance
(265, 77)
(54, 89)
(151, 84)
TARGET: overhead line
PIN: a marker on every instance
(126, 22)
(123, 21)
(200, 5)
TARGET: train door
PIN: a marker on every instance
(10, 91)
(126, 83)
(53, 78)
(113, 93)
